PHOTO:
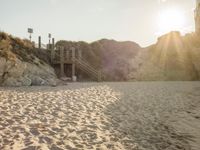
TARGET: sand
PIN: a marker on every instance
(129, 116)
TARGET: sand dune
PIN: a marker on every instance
(138, 116)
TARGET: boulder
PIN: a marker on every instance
(25, 81)
(11, 82)
(19, 73)
(16, 82)
(36, 80)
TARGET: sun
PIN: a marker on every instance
(171, 20)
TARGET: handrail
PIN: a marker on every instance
(97, 74)
(81, 63)
(88, 68)
(86, 64)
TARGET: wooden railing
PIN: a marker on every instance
(60, 56)
(88, 68)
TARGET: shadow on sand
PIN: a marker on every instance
(142, 118)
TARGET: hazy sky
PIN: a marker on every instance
(90, 20)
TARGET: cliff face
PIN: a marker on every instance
(19, 65)
(173, 57)
(114, 58)
(117, 58)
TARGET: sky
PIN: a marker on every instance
(141, 21)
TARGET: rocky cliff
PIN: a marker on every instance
(173, 57)
(19, 65)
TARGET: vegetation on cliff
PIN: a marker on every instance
(14, 47)
(20, 64)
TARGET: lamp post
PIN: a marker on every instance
(30, 31)
(49, 45)
(49, 38)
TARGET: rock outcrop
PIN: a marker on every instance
(172, 58)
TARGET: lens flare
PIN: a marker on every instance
(171, 20)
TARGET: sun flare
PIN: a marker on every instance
(171, 20)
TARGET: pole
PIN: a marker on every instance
(39, 42)
(62, 61)
(52, 51)
(53, 43)
(73, 62)
(30, 30)
(30, 37)
(49, 40)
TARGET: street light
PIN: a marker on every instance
(49, 38)
(30, 30)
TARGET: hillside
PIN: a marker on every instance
(173, 57)
(113, 57)
(20, 66)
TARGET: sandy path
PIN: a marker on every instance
(146, 116)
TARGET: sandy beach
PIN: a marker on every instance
(127, 116)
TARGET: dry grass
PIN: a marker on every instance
(14, 47)
(5, 50)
